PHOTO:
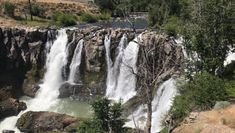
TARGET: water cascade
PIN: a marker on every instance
(47, 95)
(121, 79)
(230, 57)
(161, 104)
(76, 61)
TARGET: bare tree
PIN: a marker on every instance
(158, 60)
(30, 9)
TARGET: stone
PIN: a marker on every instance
(11, 107)
(45, 122)
(8, 131)
(82, 92)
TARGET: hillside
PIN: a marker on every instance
(46, 9)
(214, 121)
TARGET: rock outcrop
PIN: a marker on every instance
(22, 51)
(35, 122)
(23, 55)
(82, 92)
(168, 57)
(11, 107)
(91, 74)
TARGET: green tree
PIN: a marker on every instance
(105, 4)
(107, 118)
(161, 10)
(209, 32)
(201, 94)
(9, 8)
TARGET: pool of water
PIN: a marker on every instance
(68, 106)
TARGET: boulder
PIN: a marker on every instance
(5, 93)
(11, 107)
(45, 122)
(81, 92)
(8, 131)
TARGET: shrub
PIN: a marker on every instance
(89, 127)
(171, 26)
(106, 116)
(64, 19)
(9, 8)
(88, 17)
(37, 11)
(207, 89)
(201, 93)
(104, 16)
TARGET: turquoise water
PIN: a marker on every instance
(69, 107)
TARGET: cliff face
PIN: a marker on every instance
(21, 51)
(23, 57)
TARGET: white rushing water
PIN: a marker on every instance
(76, 61)
(121, 79)
(230, 57)
(47, 95)
(161, 104)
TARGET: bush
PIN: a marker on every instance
(89, 127)
(201, 93)
(88, 17)
(64, 19)
(9, 8)
(37, 11)
(106, 116)
(105, 4)
(104, 16)
(207, 89)
(171, 26)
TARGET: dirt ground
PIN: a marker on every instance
(73, 7)
(53, 1)
(214, 121)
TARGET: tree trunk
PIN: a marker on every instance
(30, 10)
(149, 111)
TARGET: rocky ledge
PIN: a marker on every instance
(35, 122)
(11, 107)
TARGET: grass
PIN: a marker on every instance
(35, 22)
(230, 87)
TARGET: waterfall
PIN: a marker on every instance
(113, 69)
(121, 80)
(76, 61)
(230, 57)
(161, 104)
(47, 95)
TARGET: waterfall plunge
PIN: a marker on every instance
(76, 61)
(121, 84)
(161, 104)
(47, 96)
(121, 80)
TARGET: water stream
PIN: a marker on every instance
(121, 79)
(76, 61)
